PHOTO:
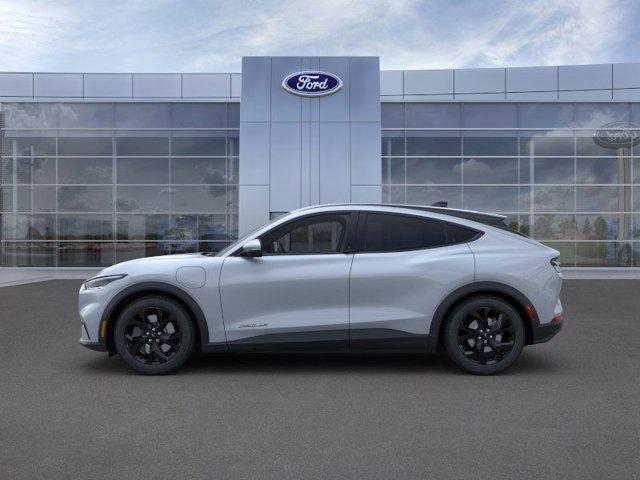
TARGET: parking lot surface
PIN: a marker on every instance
(567, 409)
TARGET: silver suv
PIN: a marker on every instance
(365, 278)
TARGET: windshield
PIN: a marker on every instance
(242, 239)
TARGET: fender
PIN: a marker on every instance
(155, 287)
(526, 307)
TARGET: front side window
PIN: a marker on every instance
(385, 232)
(315, 235)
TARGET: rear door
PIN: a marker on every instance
(297, 294)
(404, 266)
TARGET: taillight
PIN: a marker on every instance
(557, 319)
(555, 263)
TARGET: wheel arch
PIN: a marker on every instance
(144, 289)
(510, 294)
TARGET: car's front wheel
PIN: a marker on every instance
(154, 335)
(484, 335)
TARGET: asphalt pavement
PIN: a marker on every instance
(568, 409)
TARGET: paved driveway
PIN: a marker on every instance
(567, 409)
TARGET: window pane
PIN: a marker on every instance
(491, 199)
(79, 254)
(37, 199)
(429, 195)
(85, 227)
(320, 235)
(142, 227)
(554, 199)
(35, 227)
(490, 170)
(142, 146)
(388, 233)
(433, 143)
(586, 145)
(598, 114)
(543, 145)
(545, 115)
(142, 115)
(603, 199)
(233, 112)
(553, 170)
(603, 227)
(490, 145)
(6, 199)
(36, 170)
(487, 115)
(434, 170)
(142, 170)
(199, 199)
(40, 254)
(92, 115)
(85, 199)
(199, 115)
(432, 115)
(392, 143)
(91, 146)
(392, 115)
(199, 170)
(29, 146)
(30, 115)
(143, 199)
(554, 227)
(603, 254)
(212, 145)
(393, 170)
(394, 194)
(6, 170)
(233, 143)
(85, 170)
(603, 170)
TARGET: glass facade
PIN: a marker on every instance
(537, 163)
(92, 184)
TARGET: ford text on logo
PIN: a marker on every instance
(312, 84)
(617, 135)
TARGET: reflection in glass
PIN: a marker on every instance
(81, 254)
(426, 144)
(142, 146)
(392, 115)
(85, 227)
(85, 170)
(199, 170)
(392, 143)
(490, 170)
(429, 195)
(394, 194)
(602, 226)
(432, 115)
(85, 199)
(204, 146)
(36, 170)
(30, 115)
(36, 199)
(199, 115)
(434, 170)
(84, 115)
(554, 227)
(29, 146)
(142, 170)
(90, 146)
(199, 199)
(393, 171)
(142, 227)
(603, 254)
(143, 199)
(37, 254)
(142, 115)
(603, 170)
(35, 227)
(553, 170)
(553, 199)
(490, 145)
(491, 199)
(603, 198)
(546, 144)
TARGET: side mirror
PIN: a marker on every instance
(252, 249)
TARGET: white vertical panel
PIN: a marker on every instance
(254, 153)
(285, 166)
(254, 207)
(334, 163)
(365, 154)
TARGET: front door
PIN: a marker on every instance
(294, 296)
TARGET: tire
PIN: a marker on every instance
(501, 339)
(154, 335)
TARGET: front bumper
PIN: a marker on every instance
(86, 341)
(545, 332)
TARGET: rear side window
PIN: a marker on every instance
(384, 232)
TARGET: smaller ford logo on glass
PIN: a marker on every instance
(312, 84)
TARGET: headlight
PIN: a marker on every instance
(97, 282)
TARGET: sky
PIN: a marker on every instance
(212, 36)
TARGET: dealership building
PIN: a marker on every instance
(99, 168)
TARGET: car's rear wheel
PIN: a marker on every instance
(154, 335)
(484, 335)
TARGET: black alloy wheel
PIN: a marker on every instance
(484, 335)
(154, 335)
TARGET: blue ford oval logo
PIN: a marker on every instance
(312, 84)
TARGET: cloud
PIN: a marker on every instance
(166, 35)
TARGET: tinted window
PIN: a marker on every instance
(318, 234)
(390, 233)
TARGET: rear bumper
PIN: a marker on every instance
(545, 332)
